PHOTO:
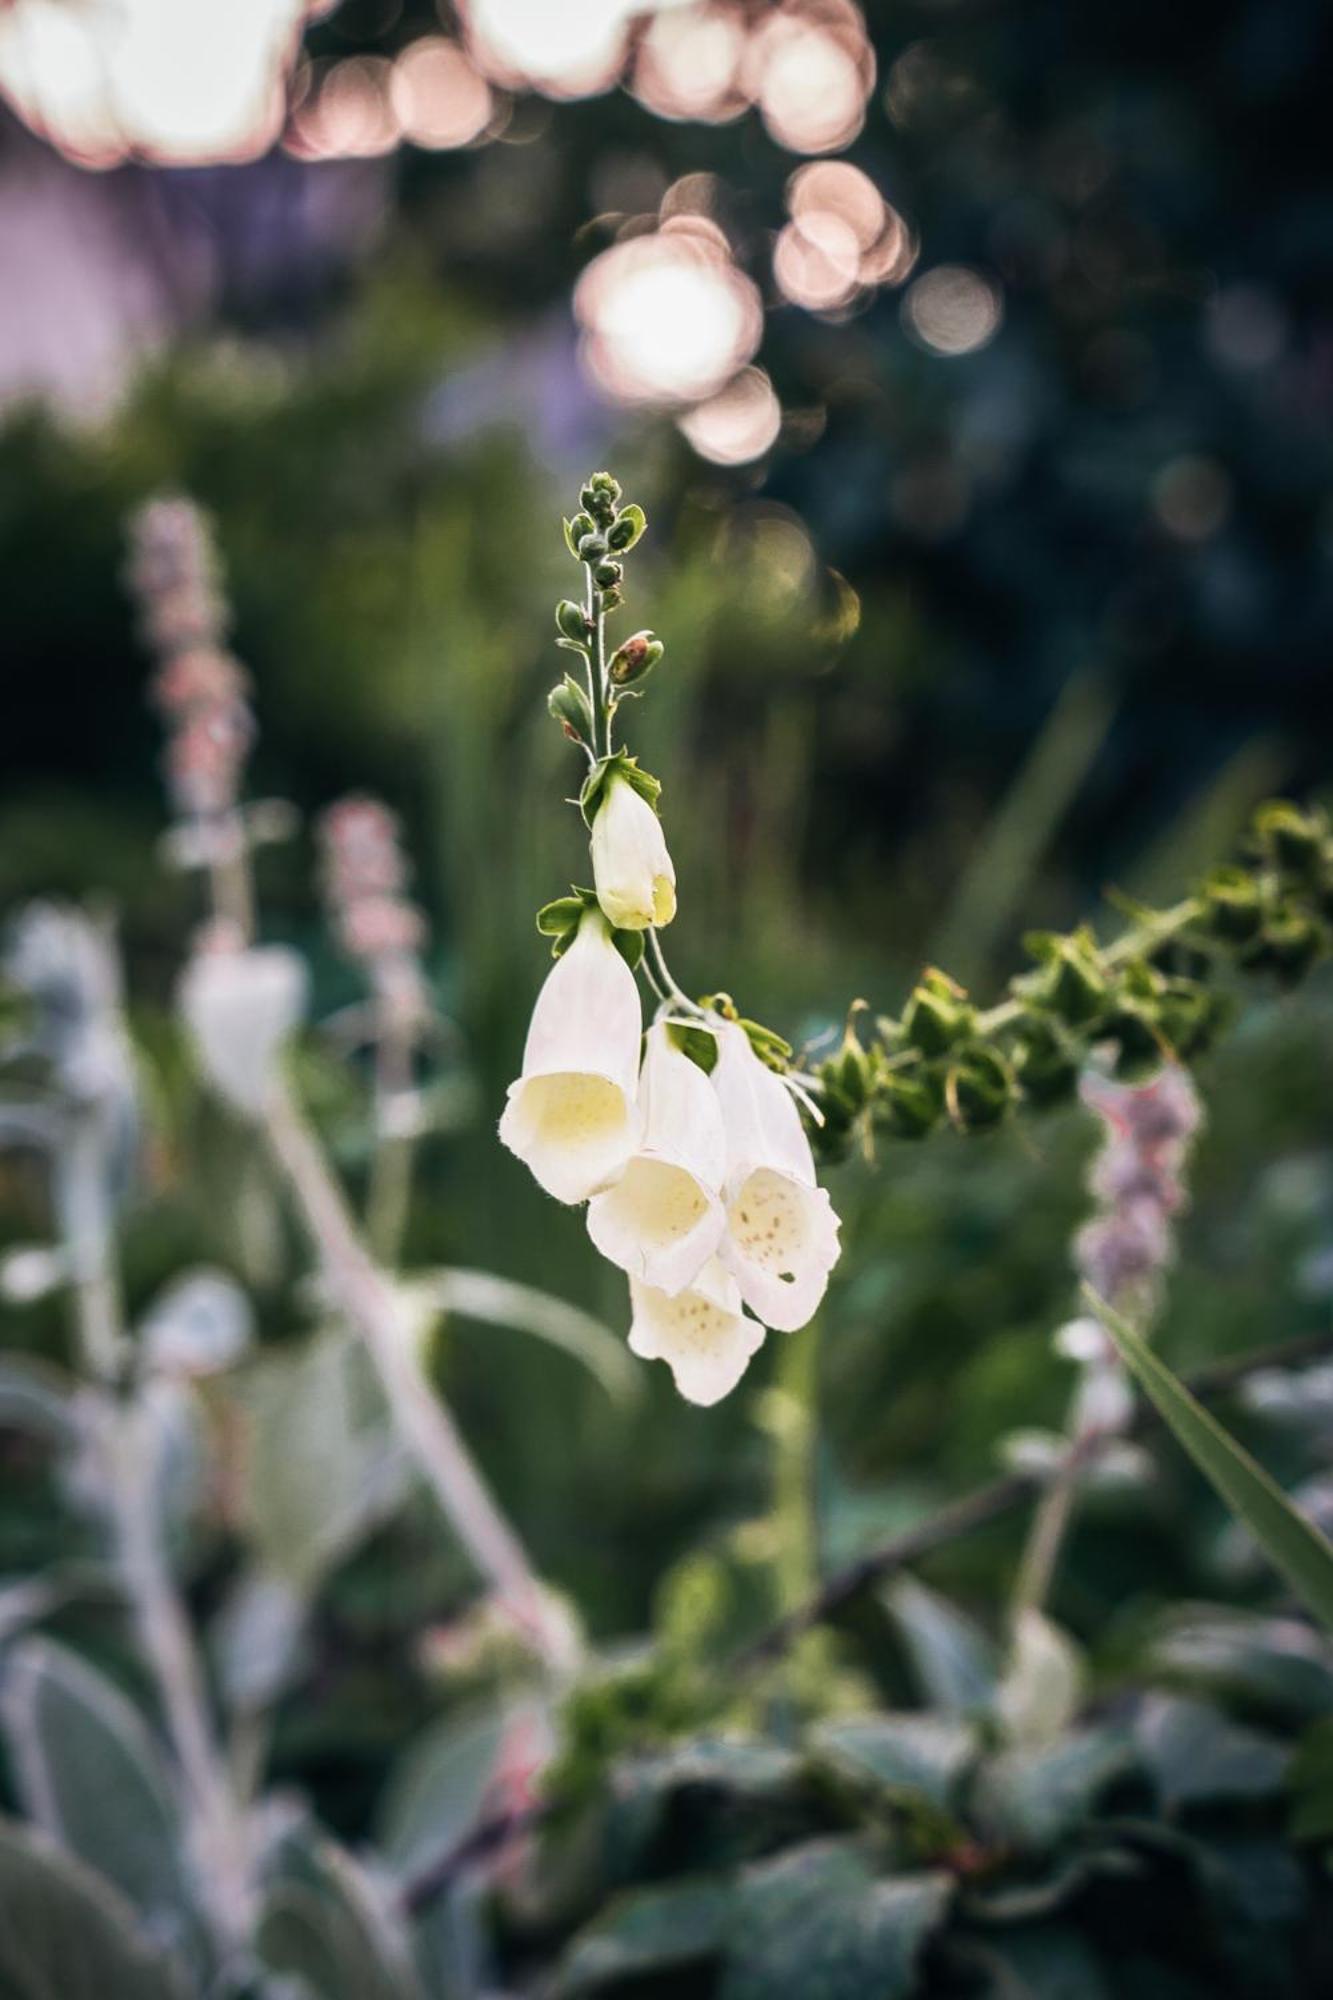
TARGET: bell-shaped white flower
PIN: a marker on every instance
(782, 1233)
(571, 1116)
(240, 1007)
(702, 1334)
(631, 868)
(664, 1218)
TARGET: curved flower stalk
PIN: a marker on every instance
(703, 1189)
(572, 1114)
(664, 1219)
(702, 1334)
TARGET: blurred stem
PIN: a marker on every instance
(130, 1463)
(795, 1428)
(367, 1296)
(390, 1190)
(1046, 1537)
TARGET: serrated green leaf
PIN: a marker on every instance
(65, 1934)
(1292, 1543)
(815, 1924)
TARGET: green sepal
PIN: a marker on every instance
(938, 1013)
(1292, 840)
(621, 765)
(571, 622)
(626, 529)
(908, 1104)
(560, 919)
(979, 1088)
(768, 1045)
(1233, 904)
(630, 946)
(569, 704)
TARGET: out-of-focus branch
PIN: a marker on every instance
(991, 1502)
(427, 1428)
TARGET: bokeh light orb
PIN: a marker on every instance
(737, 425)
(667, 318)
(439, 99)
(688, 64)
(810, 69)
(817, 261)
(952, 310)
(563, 48)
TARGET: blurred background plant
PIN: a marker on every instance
(973, 368)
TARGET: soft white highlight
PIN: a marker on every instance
(702, 1334)
(664, 1218)
(571, 1116)
(240, 1007)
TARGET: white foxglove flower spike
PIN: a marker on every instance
(664, 1219)
(702, 1334)
(632, 870)
(240, 1007)
(782, 1233)
(571, 1116)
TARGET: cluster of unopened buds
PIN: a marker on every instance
(377, 926)
(687, 1142)
(201, 691)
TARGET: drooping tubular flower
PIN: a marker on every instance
(572, 1115)
(702, 1334)
(664, 1218)
(782, 1233)
(632, 870)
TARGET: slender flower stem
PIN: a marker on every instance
(391, 1164)
(424, 1422)
(660, 973)
(1050, 1523)
(217, 1823)
(599, 681)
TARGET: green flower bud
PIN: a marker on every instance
(1076, 986)
(1289, 944)
(607, 575)
(613, 599)
(908, 1104)
(937, 1014)
(1045, 1062)
(979, 1088)
(601, 496)
(569, 704)
(572, 621)
(1292, 840)
(635, 658)
(626, 529)
(591, 548)
(1233, 908)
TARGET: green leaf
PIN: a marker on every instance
(322, 1465)
(815, 1924)
(65, 1935)
(554, 919)
(438, 1787)
(1033, 1799)
(645, 1933)
(89, 1774)
(926, 1754)
(325, 1924)
(1293, 1544)
(699, 1044)
(955, 1661)
(1197, 1755)
(1276, 1667)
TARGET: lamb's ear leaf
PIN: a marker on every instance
(65, 1933)
(1291, 1542)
